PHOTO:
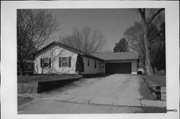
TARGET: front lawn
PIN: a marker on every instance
(156, 79)
(23, 100)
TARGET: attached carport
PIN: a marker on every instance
(121, 62)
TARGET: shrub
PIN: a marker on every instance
(79, 64)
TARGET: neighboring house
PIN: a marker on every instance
(28, 67)
(61, 59)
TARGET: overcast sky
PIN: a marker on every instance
(112, 22)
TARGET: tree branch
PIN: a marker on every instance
(143, 14)
(152, 18)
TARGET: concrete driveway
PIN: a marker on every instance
(116, 93)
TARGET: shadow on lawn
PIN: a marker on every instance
(95, 75)
(151, 110)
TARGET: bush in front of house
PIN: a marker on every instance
(79, 64)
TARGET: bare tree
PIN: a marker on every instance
(146, 21)
(34, 27)
(85, 39)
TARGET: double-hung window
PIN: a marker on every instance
(46, 62)
(100, 65)
(65, 62)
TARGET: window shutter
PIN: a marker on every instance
(95, 64)
(88, 62)
(69, 61)
(41, 62)
(59, 61)
(49, 62)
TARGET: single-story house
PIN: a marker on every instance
(61, 59)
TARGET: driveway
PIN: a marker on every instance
(116, 93)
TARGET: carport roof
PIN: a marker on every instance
(116, 56)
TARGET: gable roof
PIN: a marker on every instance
(97, 56)
(53, 44)
(117, 56)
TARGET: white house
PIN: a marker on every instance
(61, 59)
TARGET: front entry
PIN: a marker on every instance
(123, 68)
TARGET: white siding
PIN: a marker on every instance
(134, 67)
(91, 68)
(54, 53)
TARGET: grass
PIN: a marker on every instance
(157, 79)
(23, 100)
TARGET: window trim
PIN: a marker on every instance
(48, 63)
(68, 61)
(65, 62)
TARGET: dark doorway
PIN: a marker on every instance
(124, 68)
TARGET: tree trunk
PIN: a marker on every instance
(154, 69)
(146, 43)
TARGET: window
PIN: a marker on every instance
(45, 62)
(65, 62)
(95, 64)
(103, 65)
(29, 66)
(99, 65)
(88, 62)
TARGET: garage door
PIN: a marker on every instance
(124, 68)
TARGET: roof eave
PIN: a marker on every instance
(60, 45)
(120, 59)
(93, 57)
